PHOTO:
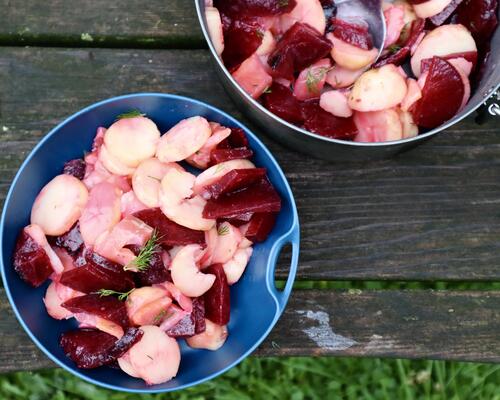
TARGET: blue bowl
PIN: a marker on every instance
(256, 303)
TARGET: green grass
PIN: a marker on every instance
(291, 378)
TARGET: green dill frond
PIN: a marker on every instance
(108, 292)
(130, 114)
(141, 262)
(223, 230)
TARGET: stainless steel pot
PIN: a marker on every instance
(332, 149)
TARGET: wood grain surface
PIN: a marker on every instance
(429, 214)
(135, 23)
(403, 324)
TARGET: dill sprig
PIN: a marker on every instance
(268, 90)
(223, 230)
(108, 292)
(394, 48)
(141, 262)
(130, 114)
(313, 77)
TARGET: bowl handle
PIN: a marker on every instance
(292, 237)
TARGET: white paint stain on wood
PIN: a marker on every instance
(378, 342)
(322, 334)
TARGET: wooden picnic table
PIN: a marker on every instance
(429, 215)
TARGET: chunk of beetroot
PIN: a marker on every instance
(397, 58)
(76, 168)
(254, 8)
(237, 138)
(354, 34)
(107, 307)
(156, 271)
(91, 348)
(299, 47)
(72, 240)
(441, 17)
(241, 40)
(191, 324)
(281, 101)
(443, 81)
(323, 123)
(480, 18)
(220, 155)
(31, 262)
(260, 226)
(217, 300)
(260, 197)
(171, 234)
(411, 35)
(97, 273)
(234, 180)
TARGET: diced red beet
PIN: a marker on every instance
(299, 47)
(31, 262)
(237, 138)
(281, 101)
(97, 273)
(72, 240)
(260, 197)
(191, 324)
(238, 220)
(441, 17)
(76, 168)
(155, 273)
(171, 234)
(416, 28)
(326, 124)
(260, 226)
(217, 300)
(417, 1)
(443, 81)
(88, 348)
(91, 348)
(354, 34)
(397, 58)
(220, 155)
(241, 40)
(480, 18)
(254, 8)
(107, 307)
(234, 180)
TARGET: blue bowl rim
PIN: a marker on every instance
(292, 236)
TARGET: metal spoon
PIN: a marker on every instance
(369, 11)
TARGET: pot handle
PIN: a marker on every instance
(490, 108)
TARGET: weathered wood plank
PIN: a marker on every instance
(153, 23)
(402, 324)
(430, 214)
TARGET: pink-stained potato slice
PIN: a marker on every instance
(253, 76)
(99, 174)
(268, 44)
(413, 94)
(211, 237)
(87, 320)
(378, 126)
(366, 94)
(214, 173)
(155, 358)
(443, 41)
(53, 302)
(178, 203)
(186, 273)
(112, 163)
(214, 25)
(132, 140)
(335, 102)
(308, 12)
(228, 239)
(141, 297)
(395, 22)
(213, 338)
(173, 316)
(339, 77)
(462, 64)
(430, 7)
(350, 57)
(184, 301)
(59, 204)
(129, 231)
(235, 267)
(201, 158)
(183, 139)
(410, 129)
(147, 177)
(102, 212)
(129, 204)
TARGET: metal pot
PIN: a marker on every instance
(332, 149)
